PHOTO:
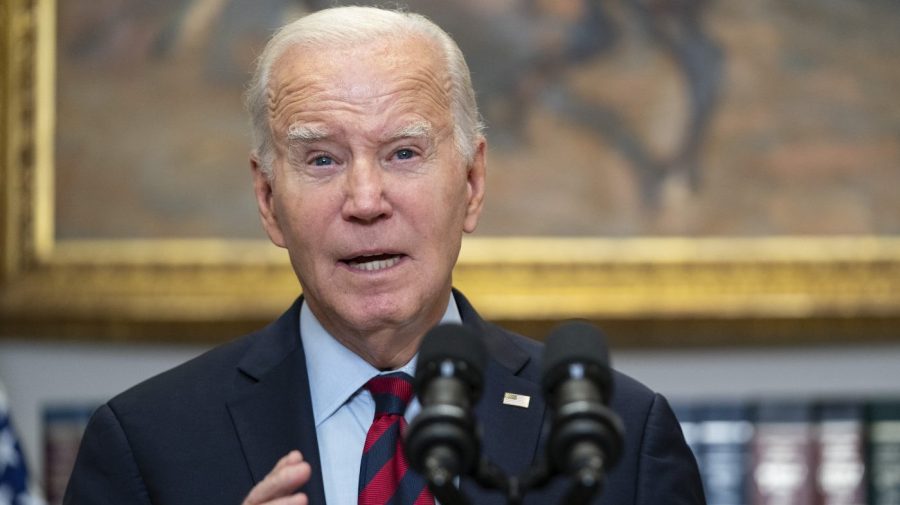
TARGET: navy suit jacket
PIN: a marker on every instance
(206, 431)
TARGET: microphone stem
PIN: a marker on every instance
(514, 492)
(441, 485)
(586, 484)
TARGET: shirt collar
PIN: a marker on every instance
(325, 355)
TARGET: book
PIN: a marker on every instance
(795, 452)
(884, 452)
(840, 437)
(63, 427)
(783, 454)
(725, 431)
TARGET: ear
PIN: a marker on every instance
(262, 187)
(475, 179)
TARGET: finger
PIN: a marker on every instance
(280, 483)
(288, 459)
(295, 499)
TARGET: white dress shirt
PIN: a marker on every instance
(342, 408)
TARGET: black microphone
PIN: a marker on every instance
(586, 435)
(442, 441)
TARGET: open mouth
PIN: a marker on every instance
(373, 263)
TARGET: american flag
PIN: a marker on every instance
(14, 488)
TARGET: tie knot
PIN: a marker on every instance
(392, 393)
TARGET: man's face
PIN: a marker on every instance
(369, 194)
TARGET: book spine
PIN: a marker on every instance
(783, 451)
(884, 453)
(63, 427)
(725, 431)
(841, 475)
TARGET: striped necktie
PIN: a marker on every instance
(384, 475)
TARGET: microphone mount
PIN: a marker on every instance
(443, 442)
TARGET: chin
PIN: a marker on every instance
(384, 311)
(365, 312)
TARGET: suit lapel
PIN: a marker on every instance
(510, 433)
(271, 408)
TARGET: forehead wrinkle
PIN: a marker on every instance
(422, 83)
(437, 90)
(302, 119)
(407, 90)
(279, 92)
(413, 88)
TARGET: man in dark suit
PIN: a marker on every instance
(369, 166)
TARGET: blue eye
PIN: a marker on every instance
(405, 154)
(322, 161)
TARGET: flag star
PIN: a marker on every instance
(8, 454)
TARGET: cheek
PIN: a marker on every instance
(457, 196)
(442, 204)
(299, 214)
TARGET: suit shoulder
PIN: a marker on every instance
(210, 374)
(532, 347)
(627, 385)
(519, 354)
(215, 372)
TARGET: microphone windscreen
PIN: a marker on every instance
(456, 343)
(576, 342)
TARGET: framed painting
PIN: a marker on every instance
(680, 173)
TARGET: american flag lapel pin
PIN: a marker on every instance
(516, 400)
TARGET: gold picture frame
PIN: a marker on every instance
(644, 291)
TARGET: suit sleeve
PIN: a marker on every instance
(105, 471)
(667, 470)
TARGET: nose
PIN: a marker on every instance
(364, 198)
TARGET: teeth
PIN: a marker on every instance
(374, 265)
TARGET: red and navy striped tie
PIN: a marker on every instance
(384, 475)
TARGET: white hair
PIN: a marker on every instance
(346, 26)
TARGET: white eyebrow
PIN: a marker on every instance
(305, 133)
(417, 129)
